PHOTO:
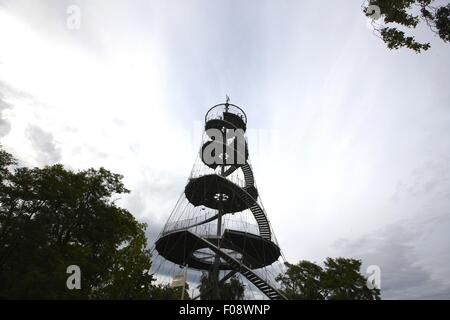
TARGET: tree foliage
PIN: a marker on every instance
(408, 14)
(232, 289)
(339, 279)
(51, 218)
(167, 292)
(302, 281)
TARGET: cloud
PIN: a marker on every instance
(43, 144)
(430, 179)
(5, 91)
(5, 125)
(410, 267)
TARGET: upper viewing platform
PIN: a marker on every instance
(225, 115)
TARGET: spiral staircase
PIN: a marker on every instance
(215, 186)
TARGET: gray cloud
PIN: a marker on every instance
(5, 126)
(152, 198)
(409, 269)
(7, 91)
(431, 178)
(44, 145)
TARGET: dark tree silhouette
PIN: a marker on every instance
(232, 289)
(396, 15)
(302, 281)
(338, 279)
(51, 218)
(167, 292)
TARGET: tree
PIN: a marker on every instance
(232, 289)
(338, 279)
(302, 281)
(167, 292)
(51, 218)
(341, 280)
(407, 14)
(6, 160)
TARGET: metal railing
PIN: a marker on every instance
(217, 111)
(210, 227)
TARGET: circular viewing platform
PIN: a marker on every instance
(214, 191)
(182, 247)
(226, 115)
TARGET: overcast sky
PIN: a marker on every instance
(349, 141)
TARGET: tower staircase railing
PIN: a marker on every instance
(271, 292)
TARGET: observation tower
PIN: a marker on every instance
(219, 224)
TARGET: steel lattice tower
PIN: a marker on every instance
(219, 223)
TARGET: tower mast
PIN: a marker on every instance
(215, 273)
